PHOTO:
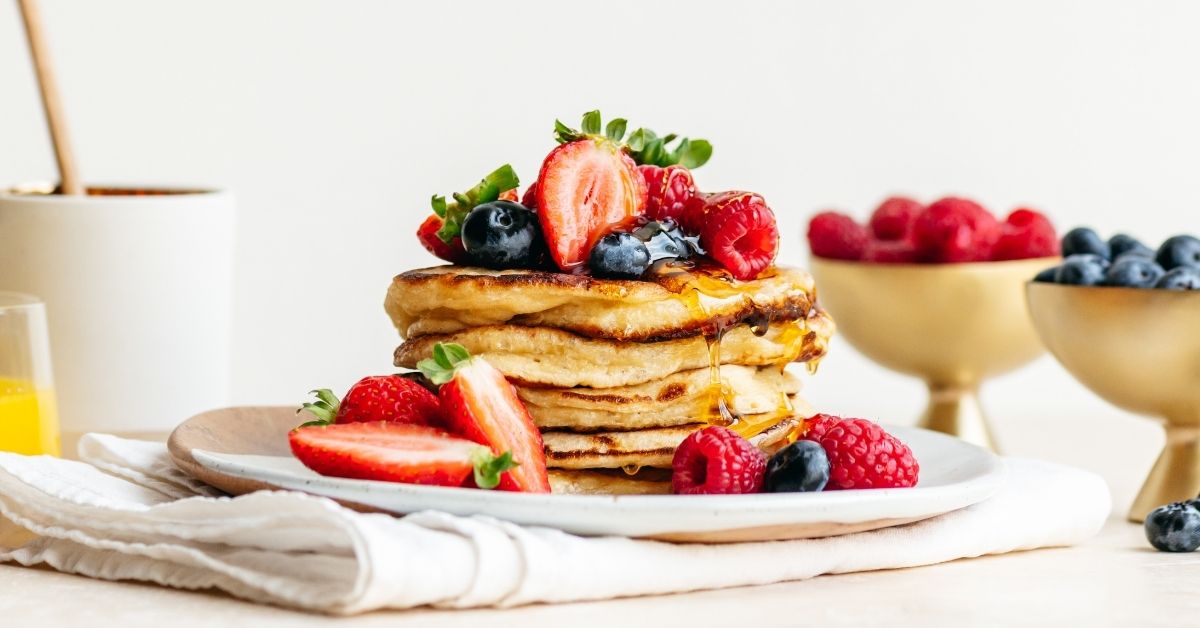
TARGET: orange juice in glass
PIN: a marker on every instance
(28, 415)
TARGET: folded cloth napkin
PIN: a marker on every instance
(126, 512)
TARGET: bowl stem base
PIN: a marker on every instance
(955, 410)
(1175, 476)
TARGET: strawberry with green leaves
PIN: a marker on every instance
(440, 234)
(479, 404)
(376, 398)
(397, 452)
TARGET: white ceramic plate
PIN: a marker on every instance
(953, 475)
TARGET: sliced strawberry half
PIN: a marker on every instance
(396, 452)
(478, 403)
(583, 187)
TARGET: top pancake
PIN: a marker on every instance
(678, 304)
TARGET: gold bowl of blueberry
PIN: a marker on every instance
(1124, 319)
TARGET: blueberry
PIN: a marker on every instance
(1046, 276)
(1174, 528)
(1084, 240)
(1182, 278)
(503, 234)
(1180, 250)
(1082, 270)
(666, 240)
(1133, 272)
(619, 256)
(798, 468)
(1122, 244)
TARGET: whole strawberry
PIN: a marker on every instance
(953, 230)
(668, 191)
(740, 233)
(861, 454)
(388, 398)
(452, 251)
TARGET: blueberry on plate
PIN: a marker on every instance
(801, 467)
(1082, 270)
(1180, 250)
(1133, 272)
(1182, 278)
(1174, 528)
(1046, 276)
(1083, 240)
(503, 234)
(619, 256)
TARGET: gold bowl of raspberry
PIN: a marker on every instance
(936, 292)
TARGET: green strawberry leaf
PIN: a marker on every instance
(615, 129)
(696, 154)
(325, 408)
(488, 467)
(591, 122)
(447, 357)
(487, 190)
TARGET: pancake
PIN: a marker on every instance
(610, 482)
(678, 399)
(553, 357)
(642, 448)
(679, 304)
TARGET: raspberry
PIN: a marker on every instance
(691, 217)
(837, 236)
(891, 252)
(816, 425)
(893, 218)
(862, 455)
(670, 189)
(1025, 234)
(954, 230)
(739, 232)
(716, 460)
(427, 234)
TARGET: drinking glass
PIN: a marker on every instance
(28, 414)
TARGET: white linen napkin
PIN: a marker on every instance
(127, 513)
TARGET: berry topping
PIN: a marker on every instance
(1082, 270)
(454, 212)
(1180, 250)
(800, 467)
(837, 236)
(503, 234)
(377, 398)
(666, 240)
(585, 186)
(954, 230)
(894, 217)
(1182, 278)
(452, 251)
(391, 452)
(1133, 272)
(509, 195)
(716, 460)
(1083, 240)
(1174, 528)
(529, 198)
(891, 252)
(739, 232)
(862, 455)
(1122, 244)
(668, 191)
(816, 425)
(1047, 275)
(1025, 234)
(479, 404)
(619, 256)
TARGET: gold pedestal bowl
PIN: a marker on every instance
(1140, 351)
(952, 325)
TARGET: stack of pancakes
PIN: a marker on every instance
(617, 373)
